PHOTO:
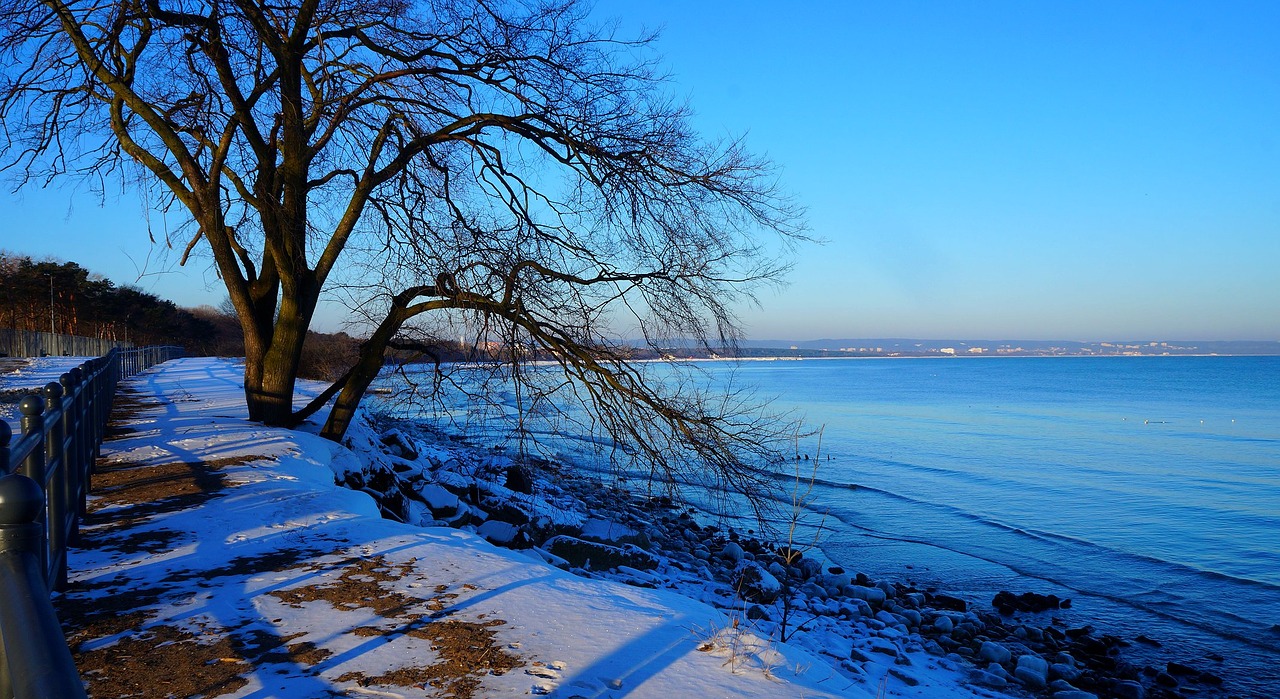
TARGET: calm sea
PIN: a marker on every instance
(1147, 489)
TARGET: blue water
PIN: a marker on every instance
(1148, 489)
(1145, 488)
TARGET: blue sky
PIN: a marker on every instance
(1028, 170)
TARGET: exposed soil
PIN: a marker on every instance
(359, 585)
(467, 652)
(164, 661)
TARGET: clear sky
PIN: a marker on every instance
(993, 170)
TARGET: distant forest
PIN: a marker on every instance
(89, 305)
(35, 295)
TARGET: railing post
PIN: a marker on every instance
(6, 434)
(80, 436)
(32, 409)
(36, 658)
(56, 485)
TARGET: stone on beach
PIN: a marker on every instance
(994, 652)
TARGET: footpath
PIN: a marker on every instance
(220, 559)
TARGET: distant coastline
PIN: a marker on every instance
(890, 348)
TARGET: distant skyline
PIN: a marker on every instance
(1082, 171)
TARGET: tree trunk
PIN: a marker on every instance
(271, 372)
(344, 408)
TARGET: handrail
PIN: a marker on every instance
(44, 488)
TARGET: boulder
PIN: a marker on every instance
(755, 584)
(443, 503)
(870, 594)
(597, 556)
(989, 680)
(996, 653)
(943, 624)
(498, 532)
(1029, 677)
(732, 552)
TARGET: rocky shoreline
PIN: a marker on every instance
(1015, 643)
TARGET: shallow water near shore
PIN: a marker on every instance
(1146, 489)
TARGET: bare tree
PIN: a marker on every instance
(505, 164)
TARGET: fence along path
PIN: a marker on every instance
(29, 343)
(44, 485)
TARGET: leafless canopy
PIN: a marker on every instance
(509, 166)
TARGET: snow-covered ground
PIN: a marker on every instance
(20, 375)
(276, 582)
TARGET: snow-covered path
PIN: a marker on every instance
(221, 560)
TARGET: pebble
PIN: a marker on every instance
(943, 624)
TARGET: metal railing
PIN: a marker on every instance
(44, 486)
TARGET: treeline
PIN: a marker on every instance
(89, 305)
(63, 297)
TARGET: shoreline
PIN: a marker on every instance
(1016, 643)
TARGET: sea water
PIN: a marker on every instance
(1147, 489)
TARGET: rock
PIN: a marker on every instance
(580, 553)
(994, 652)
(1074, 694)
(855, 654)
(609, 532)
(755, 584)
(946, 602)
(943, 624)
(1179, 669)
(732, 552)
(834, 580)
(498, 532)
(883, 646)
(1007, 603)
(1065, 671)
(1128, 689)
(1029, 677)
(400, 445)
(849, 611)
(812, 590)
(1210, 679)
(809, 567)
(443, 503)
(902, 675)
(871, 594)
(757, 613)
(1035, 663)
(887, 618)
(887, 588)
(777, 570)
(912, 616)
(989, 680)
(520, 479)
(1164, 679)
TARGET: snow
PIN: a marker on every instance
(19, 376)
(573, 635)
